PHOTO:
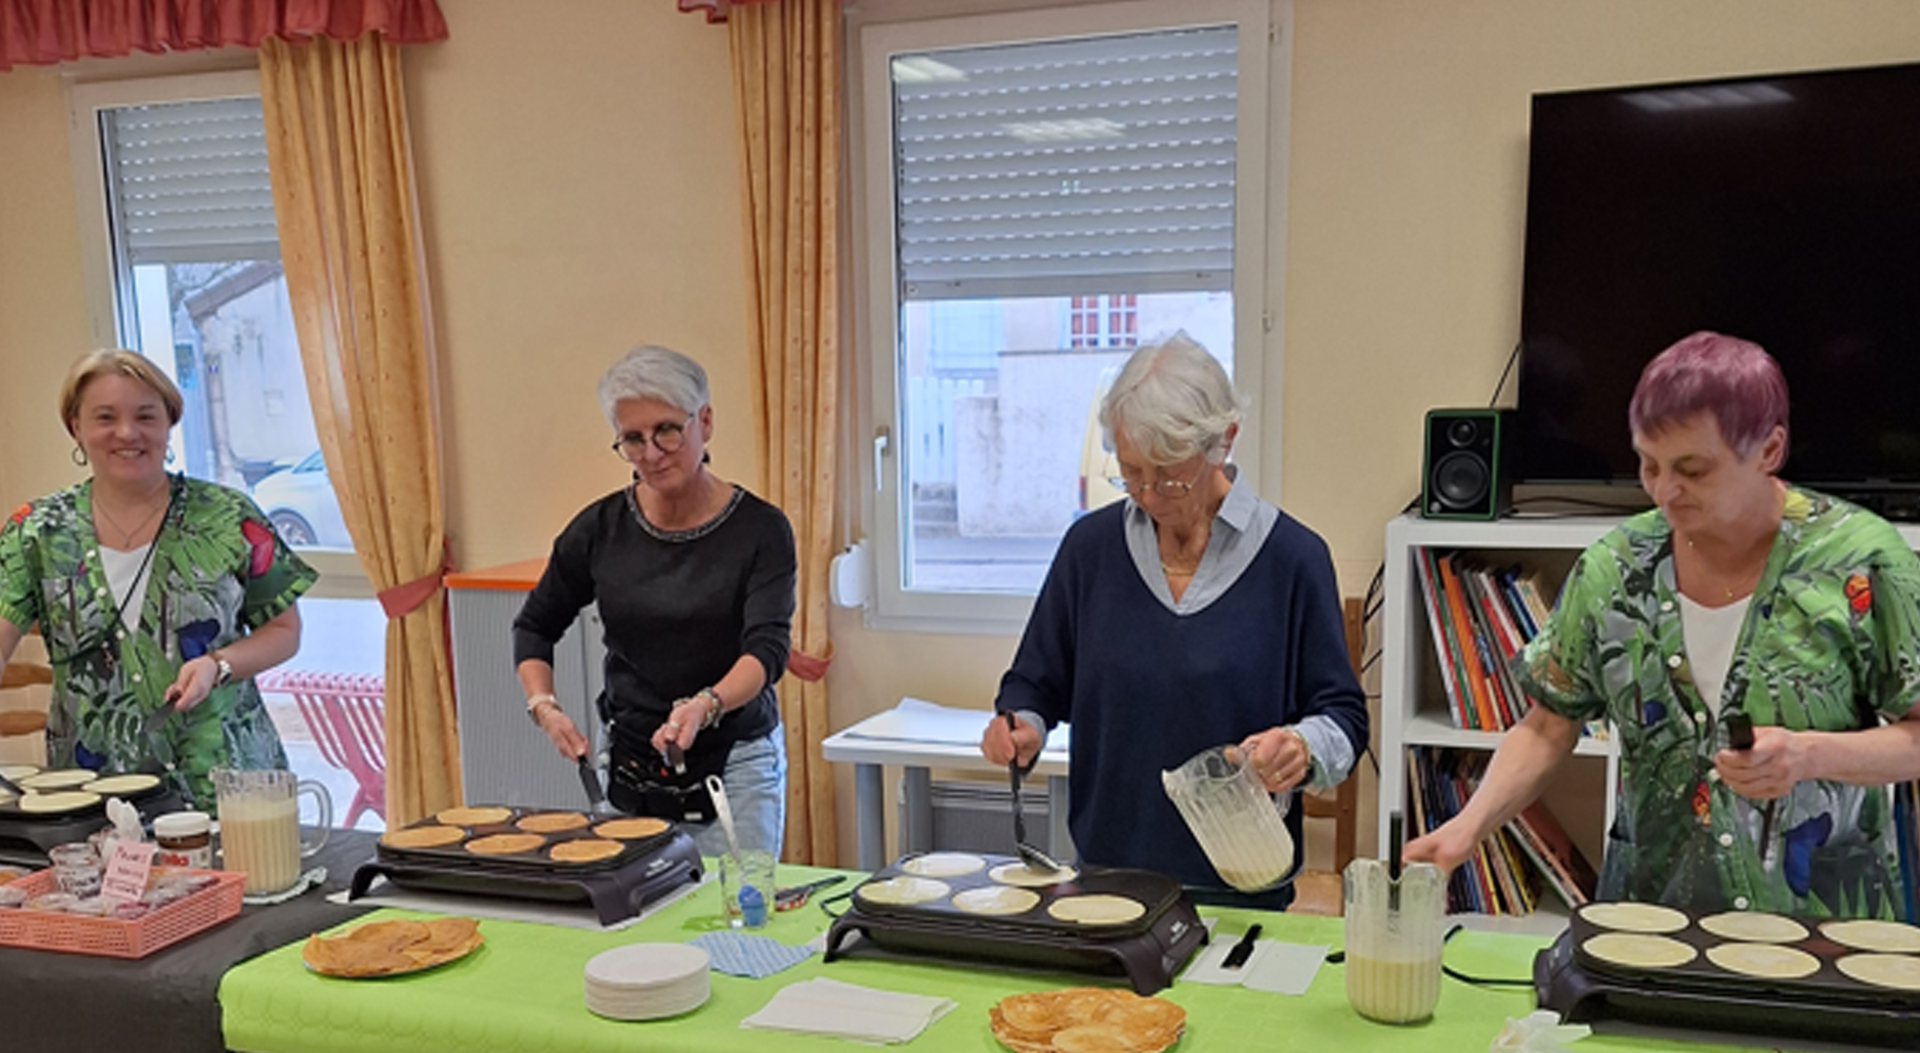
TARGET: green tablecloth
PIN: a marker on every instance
(523, 991)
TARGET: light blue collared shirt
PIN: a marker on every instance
(1240, 529)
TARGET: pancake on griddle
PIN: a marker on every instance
(133, 782)
(1639, 950)
(1766, 961)
(903, 891)
(505, 844)
(63, 779)
(585, 850)
(943, 864)
(480, 816)
(551, 822)
(1864, 934)
(422, 836)
(636, 828)
(55, 803)
(996, 900)
(1634, 917)
(1754, 927)
(1097, 909)
(1898, 971)
(1026, 877)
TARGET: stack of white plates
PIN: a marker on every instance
(647, 981)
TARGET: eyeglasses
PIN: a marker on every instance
(1173, 489)
(667, 438)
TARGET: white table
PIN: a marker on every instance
(919, 736)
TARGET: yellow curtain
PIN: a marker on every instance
(786, 73)
(343, 195)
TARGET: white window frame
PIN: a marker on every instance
(1264, 56)
(341, 576)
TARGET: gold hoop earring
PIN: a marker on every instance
(79, 456)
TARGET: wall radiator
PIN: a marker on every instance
(978, 817)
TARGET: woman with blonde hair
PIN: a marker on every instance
(152, 591)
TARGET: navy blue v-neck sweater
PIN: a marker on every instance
(1145, 688)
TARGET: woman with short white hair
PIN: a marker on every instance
(694, 578)
(1189, 616)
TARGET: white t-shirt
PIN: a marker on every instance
(1710, 633)
(127, 574)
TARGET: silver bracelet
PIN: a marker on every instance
(718, 708)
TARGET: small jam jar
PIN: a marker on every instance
(185, 840)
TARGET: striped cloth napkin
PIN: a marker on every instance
(742, 954)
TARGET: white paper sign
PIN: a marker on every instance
(128, 867)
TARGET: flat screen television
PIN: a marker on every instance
(1783, 209)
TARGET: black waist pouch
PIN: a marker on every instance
(649, 787)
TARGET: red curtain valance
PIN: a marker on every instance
(43, 32)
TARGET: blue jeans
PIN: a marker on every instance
(756, 779)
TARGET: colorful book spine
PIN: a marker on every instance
(1442, 651)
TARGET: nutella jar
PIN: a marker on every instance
(185, 840)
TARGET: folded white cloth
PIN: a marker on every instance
(863, 1014)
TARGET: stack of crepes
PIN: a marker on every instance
(647, 981)
(1086, 1020)
(388, 948)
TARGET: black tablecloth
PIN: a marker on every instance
(165, 1001)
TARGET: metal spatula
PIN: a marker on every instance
(1031, 856)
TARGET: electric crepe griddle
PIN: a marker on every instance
(1147, 950)
(618, 887)
(1699, 994)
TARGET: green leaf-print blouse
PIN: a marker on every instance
(1831, 641)
(218, 571)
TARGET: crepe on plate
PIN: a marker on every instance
(384, 948)
(1086, 1020)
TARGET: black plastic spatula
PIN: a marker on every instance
(1031, 856)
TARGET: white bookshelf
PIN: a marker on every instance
(1413, 704)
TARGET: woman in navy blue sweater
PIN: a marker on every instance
(1191, 615)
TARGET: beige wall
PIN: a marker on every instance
(579, 185)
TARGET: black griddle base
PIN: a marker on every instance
(616, 894)
(1147, 959)
(1561, 985)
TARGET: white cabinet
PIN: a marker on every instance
(1413, 704)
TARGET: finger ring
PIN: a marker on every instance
(674, 725)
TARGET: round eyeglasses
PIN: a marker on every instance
(1173, 489)
(667, 438)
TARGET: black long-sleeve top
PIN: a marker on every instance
(679, 607)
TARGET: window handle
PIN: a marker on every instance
(879, 454)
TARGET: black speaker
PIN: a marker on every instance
(1465, 474)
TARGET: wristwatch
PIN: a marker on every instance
(544, 698)
(224, 669)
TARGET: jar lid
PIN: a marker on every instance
(182, 824)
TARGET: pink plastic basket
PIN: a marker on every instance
(112, 937)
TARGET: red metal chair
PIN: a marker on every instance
(347, 716)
